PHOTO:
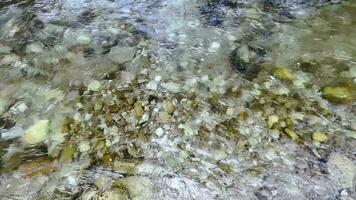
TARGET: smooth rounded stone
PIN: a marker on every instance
(37, 132)
(122, 54)
(94, 86)
(338, 94)
(83, 39)
(342, 170)
(319, 136)
(35, 48)
(284, 74)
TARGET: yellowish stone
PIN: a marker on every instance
(291, 134)
(284, 74)
(168, 106)
(272, 120)
(138, 109)
(338, 94)
(37, 132)
(320, 137)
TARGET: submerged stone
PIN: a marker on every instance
(284, 74)
(37, 132)
(291, 134)
(94, 86)
(122, 54)
(319, 136)
(138, 109)
(338, 94)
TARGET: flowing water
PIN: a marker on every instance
(178, 99)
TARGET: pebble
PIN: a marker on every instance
(284, 74)
(121, 55)
(272, 120)
(35, 48)
(291, 134)
(37, 132)
(168, 106)
(338, 94)
(159, 132)
(94, 86)
(138, 109)
(83, 39)
(152, 85)
(319, 136)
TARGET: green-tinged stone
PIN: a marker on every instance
(168, 106)
(291, 134)
(138, 109)
(338, 94)
(67, 154)
(320, 137)
(284, 74)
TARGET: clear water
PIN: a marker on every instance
(183, 99)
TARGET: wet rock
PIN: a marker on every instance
(284, 74)
(291, 134)
(168, 106)
(338, 94)
(138, 109)
(94, 86)
(159, 132)
(37, 132)
(83, 39)
(34, 48)
(319, 136)
(122, 54)
(272, 120)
